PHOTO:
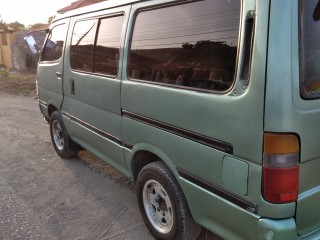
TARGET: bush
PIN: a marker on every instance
(3, 72)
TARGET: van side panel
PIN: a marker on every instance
(166, 118)
(235, 118)
(159, 89)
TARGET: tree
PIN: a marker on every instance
(37, 26)
(15, 26)
(3, 25)
(50, 19)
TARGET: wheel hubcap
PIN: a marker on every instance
(158, 206)
(57, 135)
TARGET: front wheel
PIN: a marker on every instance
(163, 206)
(62, 143)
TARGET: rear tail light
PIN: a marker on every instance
(281, 168)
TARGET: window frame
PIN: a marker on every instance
(99, 18)
(193, 89)
(94, 42)
(302, 60)
(63, 47)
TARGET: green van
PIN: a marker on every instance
(212, 107)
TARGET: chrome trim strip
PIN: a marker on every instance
(93, 129)
(183, 173)
(210, 142)
(65, 114)
(231, 197)
(127, 145)
(42, 103)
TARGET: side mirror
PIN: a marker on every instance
(32, 44)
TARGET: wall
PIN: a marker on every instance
(22, 58)
(0, 56)
(14, 52)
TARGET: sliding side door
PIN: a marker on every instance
(92, 83)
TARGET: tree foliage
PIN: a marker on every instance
(3, 25)
(217, 54)
(50, 19)
(37, 26)
(15, 26)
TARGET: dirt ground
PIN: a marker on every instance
(45, 197)
(18, 83)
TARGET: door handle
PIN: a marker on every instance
(59, 74)
(72, 86)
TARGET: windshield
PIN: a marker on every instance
(310, 49)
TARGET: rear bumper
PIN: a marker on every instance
(233, 222)
(312, 236)
(283, 229)
(277, 229)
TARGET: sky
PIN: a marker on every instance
(30, 11)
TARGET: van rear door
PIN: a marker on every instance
(293, 99)
(308, 209)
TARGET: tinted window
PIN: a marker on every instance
(191, 45)
(310, 49)
(95, 45)
(82, 45)
(53, 47)
(107, 47)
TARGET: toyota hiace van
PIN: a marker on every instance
(211, 107)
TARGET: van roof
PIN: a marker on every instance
(96, 7)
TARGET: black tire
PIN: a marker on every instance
(163, 206)
(61, 141)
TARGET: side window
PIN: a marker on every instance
(310, 49)
(53, 47)
(108, 46)
(95, 45)
(82, 45)
(191, 45)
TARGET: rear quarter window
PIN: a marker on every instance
(310, 49)
(191, 46)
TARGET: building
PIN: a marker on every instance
(6, 39)
(13, 52)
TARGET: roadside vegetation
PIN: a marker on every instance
(23, 83)
(15, 26)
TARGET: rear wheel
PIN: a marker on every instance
(62, 143)
(163, 206)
